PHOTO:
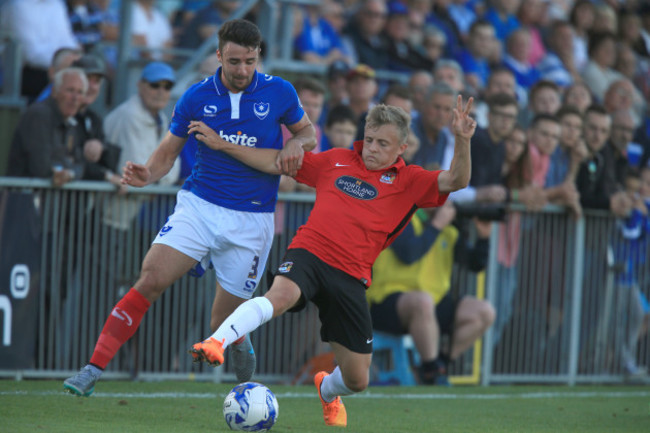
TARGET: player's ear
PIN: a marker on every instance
(402, 148)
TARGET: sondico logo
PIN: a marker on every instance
(239, 138)
(210, 110)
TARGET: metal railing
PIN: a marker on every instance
(563, 314)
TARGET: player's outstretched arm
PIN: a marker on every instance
(259, 159)
(463, 127)
(158, 164)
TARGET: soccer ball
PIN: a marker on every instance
(250, 406)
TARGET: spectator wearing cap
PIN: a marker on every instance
(137, 126)
(362, 89)
(403, 56)
(364, 33)
(336, 83)
(102, 157)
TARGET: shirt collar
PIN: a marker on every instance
(223, 90)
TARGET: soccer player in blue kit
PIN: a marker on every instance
(224, 210)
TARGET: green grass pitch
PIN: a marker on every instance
(160, 407)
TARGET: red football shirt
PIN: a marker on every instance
(359, 212)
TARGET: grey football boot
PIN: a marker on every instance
(242, 357)
(82, 383)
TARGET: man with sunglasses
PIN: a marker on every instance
(224, 212)
(139, 124)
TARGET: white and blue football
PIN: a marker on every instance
(250, 406)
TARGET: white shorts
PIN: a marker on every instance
(237, 243)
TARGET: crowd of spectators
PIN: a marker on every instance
(560, 87)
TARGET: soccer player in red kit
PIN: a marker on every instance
(364, 198)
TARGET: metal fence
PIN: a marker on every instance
(565, 312)
(567, 300)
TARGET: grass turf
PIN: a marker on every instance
(40, 405)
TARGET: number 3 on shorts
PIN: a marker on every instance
(253, 273)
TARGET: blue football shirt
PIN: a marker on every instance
(248, 118)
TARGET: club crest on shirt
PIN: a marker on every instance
(356, 188)
(261, 109)
(387, 177)
(285, 267)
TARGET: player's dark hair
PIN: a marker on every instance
(339, 114)
(240, 32)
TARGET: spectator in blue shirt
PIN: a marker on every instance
(502, 15)
(559, 63)
(206, 22)
(319, 42)
(474, 57)
(516, 58)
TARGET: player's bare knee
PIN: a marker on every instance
(149, 285)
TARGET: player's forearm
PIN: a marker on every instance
(259, 159)
(163, 158)
(159, 164)
(306, 136)
(461, 167)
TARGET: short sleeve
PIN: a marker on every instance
(311, 166)
(181, 116)
(424, 187)
(293, 112)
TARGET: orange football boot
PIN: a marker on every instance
(210, 351)
(333, 412)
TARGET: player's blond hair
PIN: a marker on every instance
(382, 114)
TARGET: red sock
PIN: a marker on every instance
(119, 327)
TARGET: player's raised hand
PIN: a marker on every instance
(462, 124)
(135, 174)
(206, 135)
